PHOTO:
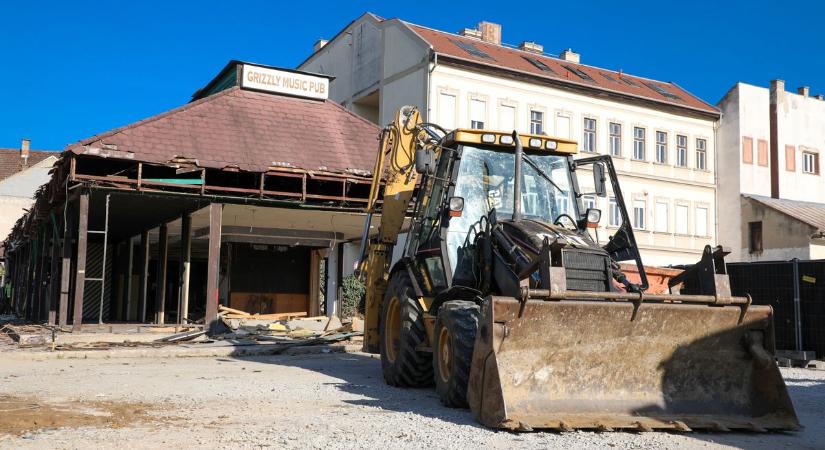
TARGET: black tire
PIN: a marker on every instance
(403, 365)
(458, 321)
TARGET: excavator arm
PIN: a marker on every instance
(397, 148)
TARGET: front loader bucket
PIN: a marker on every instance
(575, 364)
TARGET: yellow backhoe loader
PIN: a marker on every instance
(506, 302)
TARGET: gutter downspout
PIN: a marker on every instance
(429, 86)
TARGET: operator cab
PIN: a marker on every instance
(474, 174)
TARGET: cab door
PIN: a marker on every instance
(425, 245)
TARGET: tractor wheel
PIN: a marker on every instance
(401, 331)
(455, 336)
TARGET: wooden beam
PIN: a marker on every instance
(129, 270)
(54, 280)
(160, 290)
(144, 275)
(212, 266)
(185, 259)
(65, 273)
(80, 272)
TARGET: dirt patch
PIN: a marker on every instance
(20, 415)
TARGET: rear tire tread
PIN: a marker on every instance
(461, 318)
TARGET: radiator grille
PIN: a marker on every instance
(586, 271)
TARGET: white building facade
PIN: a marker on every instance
(662, 138)
(769, 156)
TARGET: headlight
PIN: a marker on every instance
(535, 142)
(551, 145)
(506, 139)
(488, 138)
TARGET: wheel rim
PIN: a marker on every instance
(445, 357)
(393, 329)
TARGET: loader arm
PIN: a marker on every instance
(397, 143)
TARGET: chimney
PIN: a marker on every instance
(532, 47)
(471, 33)
(820, 97)
(777, 92)
(570, 55)
(490, 32)
(803, 91)
(319, 44)
(24, 152)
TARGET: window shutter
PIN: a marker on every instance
(747, 150)
(790, 158)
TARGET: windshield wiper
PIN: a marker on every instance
(541, 172)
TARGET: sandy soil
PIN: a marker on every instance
(312, 401)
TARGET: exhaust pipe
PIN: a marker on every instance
(517, 181)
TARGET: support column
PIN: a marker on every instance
(160, 289)
(185, 260)
(40, 283)
(144, 275)
(80, 273)
(314, 282)
(54, 279)
(65, 274)
(212, 267)
(129, 270)
(331, 298)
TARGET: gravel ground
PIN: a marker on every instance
(312, 401)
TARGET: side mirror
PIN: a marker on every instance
(599, 180)
(456, 206)
(593, 216)
(424, 161)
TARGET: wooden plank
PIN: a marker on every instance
(314, 282)
(163, 261)
(212, 266)
(80, 272)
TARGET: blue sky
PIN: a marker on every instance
(70, 69)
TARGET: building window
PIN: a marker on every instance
(615, 215)
(639, 143)
(589, 135)
(478, 113)
(661, 147)
(681, 219)
(810, 162)
(562, 126)
(446, 111)
(790, 158)
(507, 118)
(762, 152)
(660, 221)
(747, 150)
(589, 202)
(701, 154)
(755, 237)
(701, 221)
(536, 122)
(615, 139)
(639, 214)
(681, 150)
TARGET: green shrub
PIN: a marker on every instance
(353, 291)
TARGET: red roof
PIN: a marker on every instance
(507, 58)
(10, 161)
(251, 131)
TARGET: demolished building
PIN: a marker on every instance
(242, 197)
